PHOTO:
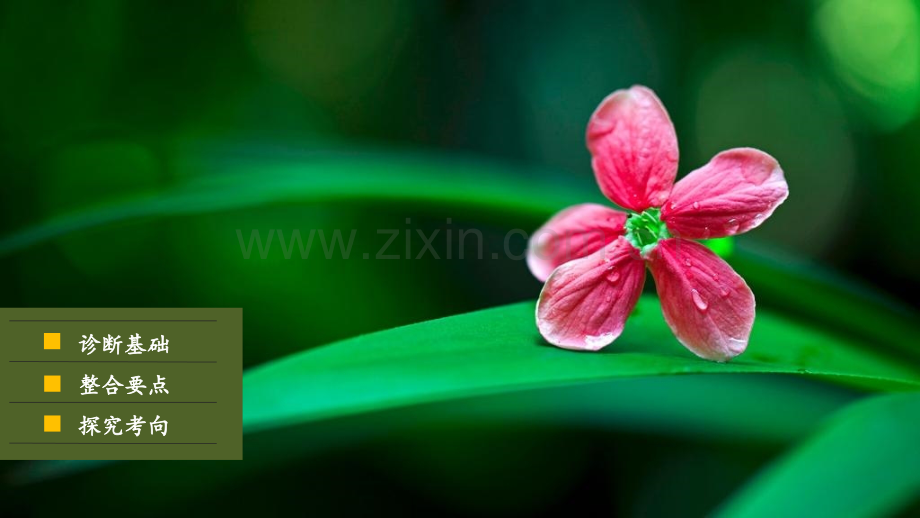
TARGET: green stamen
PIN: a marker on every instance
(644, 230)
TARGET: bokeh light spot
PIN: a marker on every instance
(874, 50)
(757, 97)
(329, 51)
(723, 246)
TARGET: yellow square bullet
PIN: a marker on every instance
(52, 340)
(52, 383)
(52, 423)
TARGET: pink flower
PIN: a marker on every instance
(593, 257)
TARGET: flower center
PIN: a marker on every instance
(644, 230)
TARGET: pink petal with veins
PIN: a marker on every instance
(571, 234)
(634, 148)
(585, 302)
(736, 191)
(706, 304)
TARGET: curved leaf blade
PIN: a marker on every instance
(228, 183)
(498, 350)
(749, 410)
(869, 449)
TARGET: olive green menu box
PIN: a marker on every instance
(152, 384)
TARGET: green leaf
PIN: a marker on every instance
(747, 410)
(499, 350)
(822, 298)
(225, 183)
(865, 462)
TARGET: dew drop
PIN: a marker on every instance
(673, 205)
(706, 233)
(613, 277)
(701, 304)
(733, 226)
(696, 205)
(723, 291)
(687, 262)
(596, 342)
(736, 344)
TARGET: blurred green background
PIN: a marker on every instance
(136, 137)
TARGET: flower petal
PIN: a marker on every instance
(736, 191)
(633, 148)
(585, 302)
(706, 304)
(573, 233)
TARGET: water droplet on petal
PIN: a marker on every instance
(596, 342)
(687, 262)
(698, 300)
(696, 205)
(613, 277)
(732, 226)
(736, 344)
(673, 205)
(706, 233)
(723, 291)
